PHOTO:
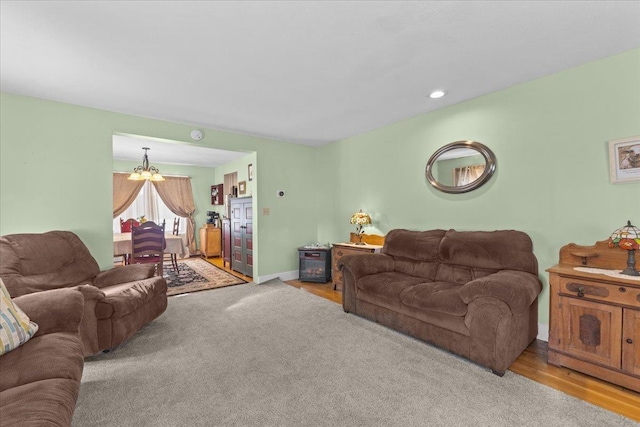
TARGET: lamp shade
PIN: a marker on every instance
(361, 218)
(627, 237)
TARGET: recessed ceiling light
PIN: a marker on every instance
(436, 94)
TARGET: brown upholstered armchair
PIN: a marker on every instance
(117, 302)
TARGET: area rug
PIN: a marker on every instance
(196, 274)
(273, 355)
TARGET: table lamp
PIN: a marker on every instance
(627, 237)
(360, 219)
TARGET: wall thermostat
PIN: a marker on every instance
(196, 135)
(280, 193)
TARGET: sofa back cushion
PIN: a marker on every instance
(414, 252)
(484, 252)
(37, 262)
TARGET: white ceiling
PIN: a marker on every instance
(173, 153)
(305, 72)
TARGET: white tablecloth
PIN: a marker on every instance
(122, 244)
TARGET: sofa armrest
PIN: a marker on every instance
(57, 310)
(89, 324)
(360, 265)
(516, 288)
(124, 274)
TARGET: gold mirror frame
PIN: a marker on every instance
(489, 169)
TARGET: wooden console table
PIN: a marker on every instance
(595, 318)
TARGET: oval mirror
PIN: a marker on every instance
(460, 167)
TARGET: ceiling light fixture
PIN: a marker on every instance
(146, 172)
(436, 94)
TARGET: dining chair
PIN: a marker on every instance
(175, 232)
(148, 244)
(125, 226)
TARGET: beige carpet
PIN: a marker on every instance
(196, 274)
(273, 355)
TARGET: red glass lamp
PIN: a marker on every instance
(627, 237)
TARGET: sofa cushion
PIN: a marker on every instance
(489, 250)
(125, 298)
(15, 326)
(442, 297)
(387, 285)
(424, 269)
(42, 403)
(56, 355)
(413, 245)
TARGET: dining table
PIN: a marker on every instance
(122, 244)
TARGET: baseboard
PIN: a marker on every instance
(286, 275)
(543, 332)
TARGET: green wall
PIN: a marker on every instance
(241, 167)
(62, 155)
(549, 135)
(552, 179)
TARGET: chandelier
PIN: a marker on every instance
(146, 172)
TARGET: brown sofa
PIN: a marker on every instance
(40, 380)
(117, 302)
(472, 293)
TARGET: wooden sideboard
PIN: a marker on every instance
(594, 323)
(210, 241)
(342, 249)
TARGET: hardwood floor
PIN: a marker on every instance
(533, 365)
(218, 262)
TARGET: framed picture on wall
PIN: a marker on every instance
(242, 187)
(250, 171)
(624, 160)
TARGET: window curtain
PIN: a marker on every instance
(151, 203)
(177, 194)
(467, 174)
(124, 192)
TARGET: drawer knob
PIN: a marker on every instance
(622, 289)
(629, 341)
(580, 291)
(340, 253)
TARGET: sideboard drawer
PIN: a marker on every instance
(600, 291)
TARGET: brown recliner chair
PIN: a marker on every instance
(117, 302)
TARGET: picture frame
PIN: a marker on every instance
(242, 187)
(250, 171)
(624, 160)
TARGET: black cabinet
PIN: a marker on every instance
(242, 235)
(226, 242)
